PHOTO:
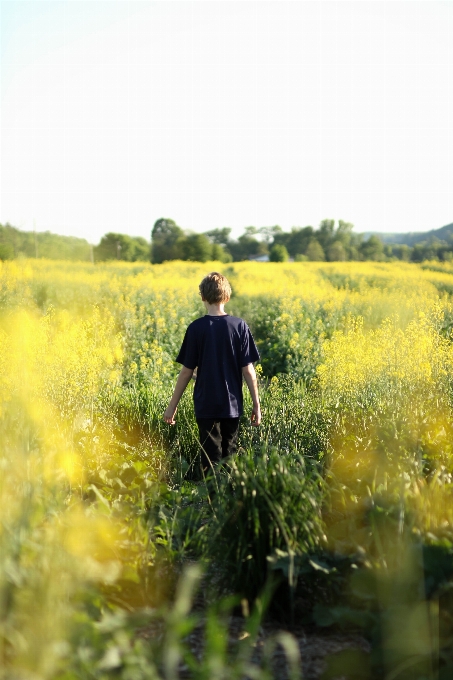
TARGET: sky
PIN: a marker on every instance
(225, 113)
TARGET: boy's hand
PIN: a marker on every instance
(169, 415)
(250, 378)
(255, 420)
(181, 384)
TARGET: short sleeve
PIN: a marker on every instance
(188, 354)
(249, 352)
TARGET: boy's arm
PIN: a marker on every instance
(181, 384)
(250, 378)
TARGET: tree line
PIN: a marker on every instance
(17, 243)
(329, 242)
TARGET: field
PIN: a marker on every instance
(336, 516)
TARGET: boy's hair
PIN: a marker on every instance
(215, 288)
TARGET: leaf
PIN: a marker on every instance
(99, 495)
(128, 475)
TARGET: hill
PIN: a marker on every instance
(17, 243)
(411, 238)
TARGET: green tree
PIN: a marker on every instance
(336, 252)
(166, 239)
(55, 247)
(299, 241)
(142, 249)
(196, 247)
(6, 251)
(402, 252)
(220, 239)
(350, 241)
(121, 247)
(219, 253)
(315, 251)
(246, 246)
(278, 253)
(344, 232)
(269, 233)
(283, 238)
(326, 233)
(219, 236)
(430, 250)
(373, 249)
(43, 244)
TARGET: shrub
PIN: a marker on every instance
(278, 253)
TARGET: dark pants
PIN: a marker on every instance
(218, 439)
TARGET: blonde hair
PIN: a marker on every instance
(215, 289)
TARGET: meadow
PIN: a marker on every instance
(336, 514)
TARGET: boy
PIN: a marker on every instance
(222, 349)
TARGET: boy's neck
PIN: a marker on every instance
(215, 310)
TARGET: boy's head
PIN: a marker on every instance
(215, 289)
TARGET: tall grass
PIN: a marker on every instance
(263, 502)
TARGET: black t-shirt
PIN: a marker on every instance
(219, 346)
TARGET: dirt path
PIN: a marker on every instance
(314, 648)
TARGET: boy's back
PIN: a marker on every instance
(220, 346)
(222, 349)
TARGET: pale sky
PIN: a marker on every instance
(225, 113)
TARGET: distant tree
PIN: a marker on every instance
(283, 238)
(268, 233)
(219, 236)
(299, 240)
(439, 248)
(315, 251)
(142, 249)
(344, 231)
(6, 251)
(445, 254)
(353, 253)
(420, 252)
(43, 244)
(220, 239)
(373, 249)
(326, 233)
(350, 241)
(402, 252)
(196, 247)
(121, 247)
(246, 246)
(54, 246)
(219, 253)
(166, 239)
(278, 253)
(111, 247)
(430, 250)
(336, 252)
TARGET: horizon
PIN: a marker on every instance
(148, 238)
(225, 114)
